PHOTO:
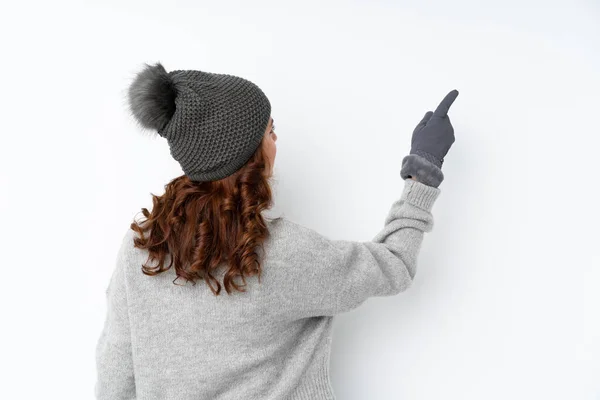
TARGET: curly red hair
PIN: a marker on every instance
(204, 224)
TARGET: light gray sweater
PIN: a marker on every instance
(162, 341)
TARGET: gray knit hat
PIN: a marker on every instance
(212, 122)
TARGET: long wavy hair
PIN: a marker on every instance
(205, 224)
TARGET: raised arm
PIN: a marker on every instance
(329, 277)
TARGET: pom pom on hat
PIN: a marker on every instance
(152, 97)
(213, 122)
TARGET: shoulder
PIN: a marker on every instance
(294, 241)
(127, 239)
(128, 254)
(292, 230)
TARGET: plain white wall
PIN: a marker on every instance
(506, 302)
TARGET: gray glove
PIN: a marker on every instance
(431, 140)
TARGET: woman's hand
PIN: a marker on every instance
(434, 135)
(431, 140)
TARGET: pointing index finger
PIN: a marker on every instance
(444, 106)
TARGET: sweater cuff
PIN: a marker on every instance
(419, 194)
(422, 169)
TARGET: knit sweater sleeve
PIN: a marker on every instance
(335, 276)
(114, 362)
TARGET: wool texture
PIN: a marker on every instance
(163, 341)
(213, 122)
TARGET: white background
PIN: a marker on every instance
(506, 302)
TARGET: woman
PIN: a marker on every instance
(165, 337)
